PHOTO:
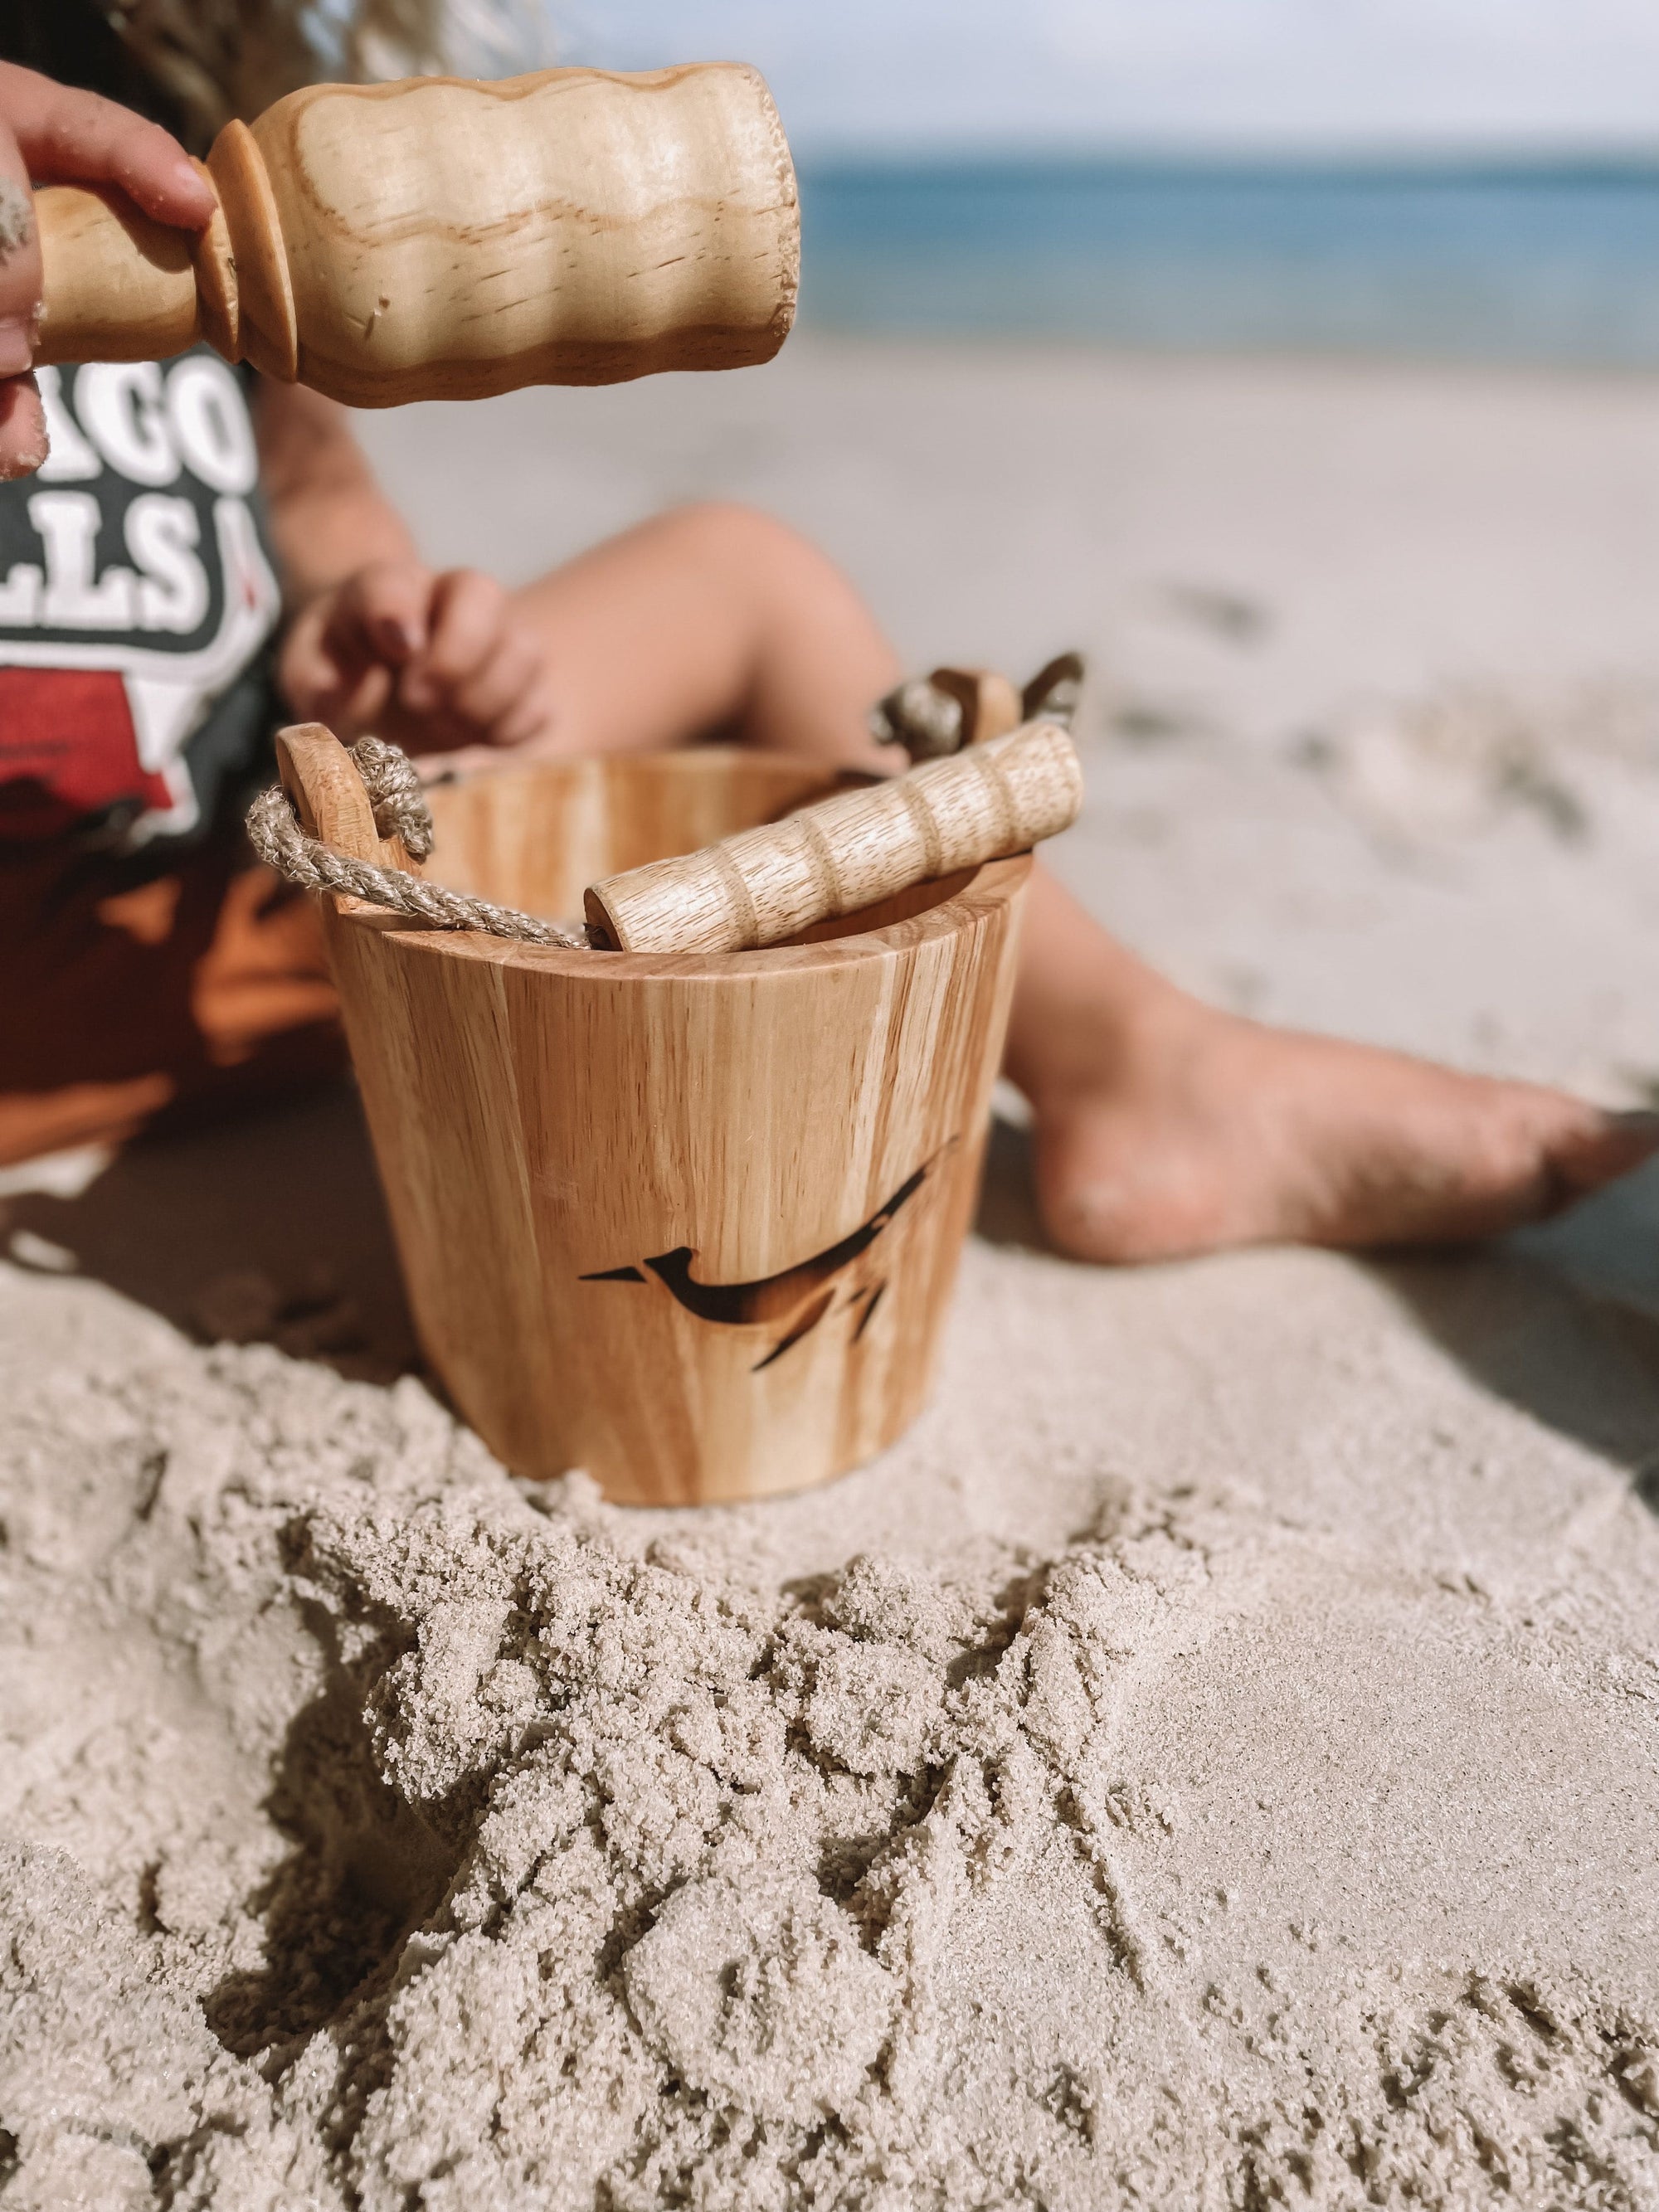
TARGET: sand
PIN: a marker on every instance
(1214, 1759)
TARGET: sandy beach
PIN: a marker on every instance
(1213, 1762)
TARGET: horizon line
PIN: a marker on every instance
(1462, 157)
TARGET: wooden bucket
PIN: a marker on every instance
(687, 1221)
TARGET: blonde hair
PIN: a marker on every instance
(212, 59)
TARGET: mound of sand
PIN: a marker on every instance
(386, 1833)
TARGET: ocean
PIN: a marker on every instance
(1549, 263)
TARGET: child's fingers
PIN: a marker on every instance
(318, 687)
(469, 613)
(69, 137)
(22, 428)
(381, 614)
(533, 717)
(308, 672)
(362, 705)
(350, 704)
(504, 682)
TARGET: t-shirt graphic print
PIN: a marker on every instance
(136, 604)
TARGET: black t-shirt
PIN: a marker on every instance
(138, 605)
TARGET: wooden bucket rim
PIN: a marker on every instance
(977, 892)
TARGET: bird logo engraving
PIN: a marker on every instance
(792, 1302)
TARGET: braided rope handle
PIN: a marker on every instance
(1001, 794)
(394, 791)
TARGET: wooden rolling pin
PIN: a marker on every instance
(448, 239)
(845, 854)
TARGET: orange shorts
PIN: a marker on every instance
(124, 1005)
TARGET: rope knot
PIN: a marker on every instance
(393, 785)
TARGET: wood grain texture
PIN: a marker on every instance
(450, 238)
(218, 290)
(765, 885)
(118, 286)
(769, 1160)
(267, 329)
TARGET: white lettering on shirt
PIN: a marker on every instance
(122, 410)
(210, 420)
(162, 532)
(20, 595)
(68, 524)
(71, 459)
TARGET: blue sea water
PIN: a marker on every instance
(1548, 262)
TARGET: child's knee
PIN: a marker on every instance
(742, 536)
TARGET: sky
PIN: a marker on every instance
(1276, 75)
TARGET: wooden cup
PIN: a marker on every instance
(689, 1221)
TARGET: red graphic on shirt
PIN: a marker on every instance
(68, 752)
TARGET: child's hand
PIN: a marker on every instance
(51, 134)
(432, 662)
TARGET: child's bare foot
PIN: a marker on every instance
(1163, 1128)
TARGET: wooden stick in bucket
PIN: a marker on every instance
(847, 853)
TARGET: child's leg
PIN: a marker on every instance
(1162, 1127)
(710, 620)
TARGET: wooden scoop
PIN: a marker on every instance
(449, 239)
(847, 853)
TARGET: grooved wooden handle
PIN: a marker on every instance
(847, 852)
(450, 238)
